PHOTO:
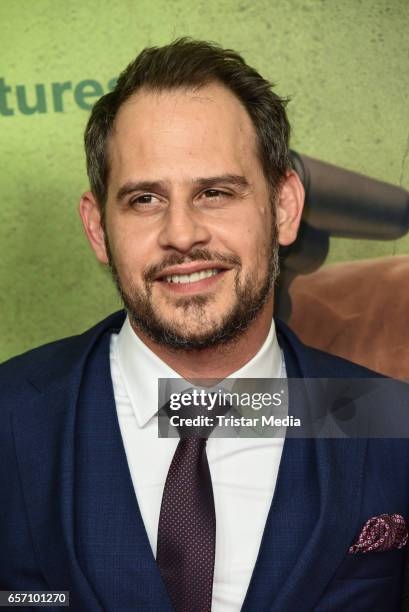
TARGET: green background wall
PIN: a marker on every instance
(345, 64)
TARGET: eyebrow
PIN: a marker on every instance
(235, 180)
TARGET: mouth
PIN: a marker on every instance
(191, 278)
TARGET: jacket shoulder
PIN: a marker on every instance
(55, 357)
(22, 364)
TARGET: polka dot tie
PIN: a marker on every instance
(187, 529)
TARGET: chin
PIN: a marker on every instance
(197, 335)
(191, 330)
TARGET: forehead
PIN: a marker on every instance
(185, 131)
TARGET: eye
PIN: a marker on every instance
(212, 194)
(144, 199)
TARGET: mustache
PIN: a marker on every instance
(196, 255)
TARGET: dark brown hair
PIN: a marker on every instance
(187, 63)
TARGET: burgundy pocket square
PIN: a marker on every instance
(383, 532)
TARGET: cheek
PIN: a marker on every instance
(256, 243)
(131, 252)
(126, 233)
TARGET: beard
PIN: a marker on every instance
(250, 297)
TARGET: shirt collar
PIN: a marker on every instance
(140, 369)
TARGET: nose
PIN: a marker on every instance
(183, 228)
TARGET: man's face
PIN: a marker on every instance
(189, 224)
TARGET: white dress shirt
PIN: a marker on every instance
(243, 470)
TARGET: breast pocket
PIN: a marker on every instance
(371, 565)
(365, 582)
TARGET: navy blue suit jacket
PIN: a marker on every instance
(75, 525)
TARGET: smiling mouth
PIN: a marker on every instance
(194, 282)
(191, 278)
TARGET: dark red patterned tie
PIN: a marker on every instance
(187, 522)
(187, 529)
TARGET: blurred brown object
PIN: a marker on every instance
(358, 310)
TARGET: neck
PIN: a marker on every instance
(219, 361)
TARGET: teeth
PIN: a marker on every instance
(190, 278)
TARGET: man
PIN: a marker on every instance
(191, 194)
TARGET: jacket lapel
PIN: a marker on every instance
(315, 508)
(112, 542)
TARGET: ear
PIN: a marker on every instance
(90, 213)
(289, 208)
